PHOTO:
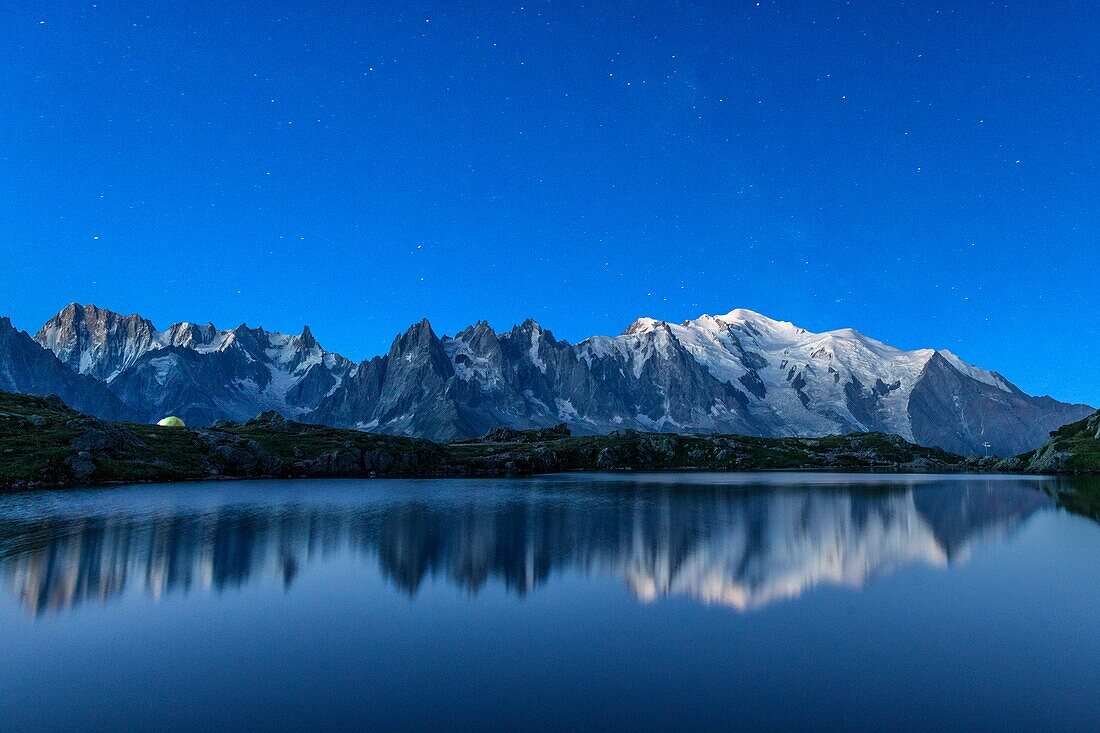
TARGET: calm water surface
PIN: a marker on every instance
(585, 602)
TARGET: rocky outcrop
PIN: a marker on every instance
(1074, 448)
(510, 435)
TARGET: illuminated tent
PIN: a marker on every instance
(172, 422)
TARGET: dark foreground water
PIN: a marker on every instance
(662, 602)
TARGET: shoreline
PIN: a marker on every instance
(44, 445)
(901, 470)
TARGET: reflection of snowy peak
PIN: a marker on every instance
(812, 539)
(744, 548)
(198, 372)
(736, 373)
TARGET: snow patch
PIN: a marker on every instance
(975, 373)
(536, 338)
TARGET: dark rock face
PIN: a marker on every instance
(27, 367)
(664, 387)
(960, 414)
(453, 388)
(509, 435)
(463, 386)
(200, 388)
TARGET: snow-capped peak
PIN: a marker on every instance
(643, 325)
(986, 377)
(105, 344)
(799, 381)
(746, 316)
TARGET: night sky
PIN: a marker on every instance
(925, 172)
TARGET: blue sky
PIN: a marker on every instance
(925, 172)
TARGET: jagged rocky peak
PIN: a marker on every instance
(96, 341)
(244, 328)
(97, 319)
(530, 343)
(419, 345)
(986, 377)
(481, 327)
(306, 340)
(252, 340)
(478, 337)
(27, 367)
(532, 332)
(194, 336)
(476, 354)
(195, 369)
(418, 334)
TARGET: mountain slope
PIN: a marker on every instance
(737, 373)
(27, 367)
(950, 409)
(97, 342)
(1073, 448)
(461, 386)
(198, 372)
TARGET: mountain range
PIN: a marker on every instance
(736, 373)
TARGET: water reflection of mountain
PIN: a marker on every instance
(743, 546)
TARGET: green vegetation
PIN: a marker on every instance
(44, 443)
(1081, 440)
(1074, 448)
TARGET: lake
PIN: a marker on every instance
(582, 602)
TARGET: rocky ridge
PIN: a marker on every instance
(740, 373)
(198, 372)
